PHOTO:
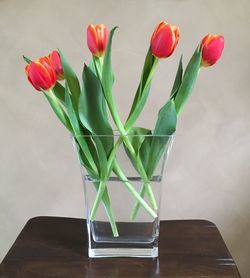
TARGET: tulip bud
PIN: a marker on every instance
(41, 74)
(212, 47)
(97, 39)
(57, 64)
(164, 40)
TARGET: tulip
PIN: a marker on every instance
(41, 74)
(57, 64)
(164, 40)
(212, 47)
(97, 39)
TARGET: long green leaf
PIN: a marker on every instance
(58, 109)
(72, 81)
(145, 72)
(59, 92)
(142, 90)
(178, 80)
(189, 79)
(84, 162)
(92, 109)
(77, 129)
(165, 126)
(107, 73)
(136, 136)
(144, 152)
(102, 157)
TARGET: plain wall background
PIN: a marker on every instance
(208, 172)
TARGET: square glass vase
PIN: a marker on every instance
(123, 208)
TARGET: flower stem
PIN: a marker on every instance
(101, 189)
(109, 98)
(123, 132)
(106, 203)
(137, 205)
(132, 190)
(110, 213)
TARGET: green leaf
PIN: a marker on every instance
(72, 81)
(77, 129)
(145, 72)
(189, 79)
(84, 162)
(59, 92)
(107, 73)
(142, 90)
(136, 136)
(165, 126)
(92, 109)
(178, 79)
(92, 66)
(102, 157)
(58, 109)
(144, 152)
(27, 60)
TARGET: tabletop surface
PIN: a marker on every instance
(57, 247)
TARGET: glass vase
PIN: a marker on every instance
(125, 222)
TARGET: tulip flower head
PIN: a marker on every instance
(97, 39)
(212, 47)
(164, 40)
(41, 74)
(57, 64)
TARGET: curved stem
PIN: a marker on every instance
(137, 205)
(106, 203)
(123, 132)
(133, 191)
(101, 189)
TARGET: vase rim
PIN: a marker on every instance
(117, 134)
(127, 135)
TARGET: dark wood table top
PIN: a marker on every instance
(57, 247)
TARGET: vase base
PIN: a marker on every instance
(123, 252)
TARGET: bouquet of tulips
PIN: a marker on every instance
(82, 109)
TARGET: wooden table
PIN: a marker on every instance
(57, 247)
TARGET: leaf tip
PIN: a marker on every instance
(27, 60)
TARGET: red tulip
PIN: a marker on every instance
(164, 40)
(41, 74)
(212, 47)
(57, 64)
(97, 39)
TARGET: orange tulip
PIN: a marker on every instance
(97, 39)
(57, 64)
(212, 47)
(164, 40)
(41, 74)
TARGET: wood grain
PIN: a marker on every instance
(57, 247)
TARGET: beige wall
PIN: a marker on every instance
(209, 168)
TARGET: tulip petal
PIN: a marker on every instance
(97, 39)
(57, 64)
(212, 47)
(164, 40)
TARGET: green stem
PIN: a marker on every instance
(101, 189)
(145, 188)
(56, 105)
(123, 132)
(137, 205)
(132, 190)
(106, 202)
